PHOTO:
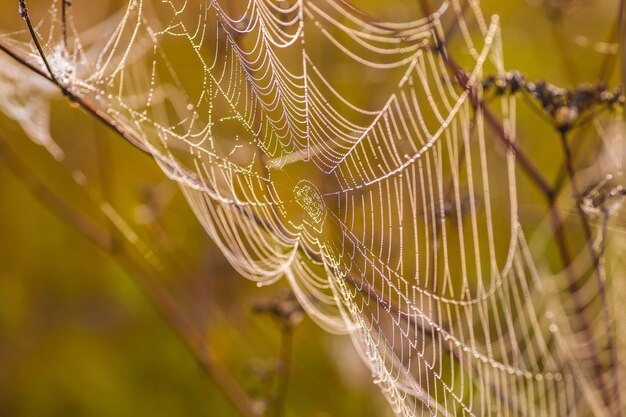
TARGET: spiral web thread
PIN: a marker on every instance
(321, 145)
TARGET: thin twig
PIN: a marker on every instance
(23, 10)
(84, 104)
(64, 4)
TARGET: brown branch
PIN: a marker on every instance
(84, 104)
(70, 215)
(108, 242)
(161, 300)
(130, 138)
(538, 179)
(23, 11)
(521, 158)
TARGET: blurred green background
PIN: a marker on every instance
(79, 337)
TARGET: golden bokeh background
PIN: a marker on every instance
(79, 336)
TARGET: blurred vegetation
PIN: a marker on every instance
(79, 335)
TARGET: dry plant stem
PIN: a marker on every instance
(520, 157)
(557, 222)
(562, 176)
(579, 306)
(137, 143)
(224, 380)
(71, 216)
(64, 4)
(597, 270)
(109, 242)
(121, 131)
(193, 340)
(99, 115)
(618, 35)
(165, 305)
(85, 105)
(23, 10)
(492, 120)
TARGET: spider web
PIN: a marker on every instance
(318, 144)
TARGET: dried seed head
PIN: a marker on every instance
(565, 116)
